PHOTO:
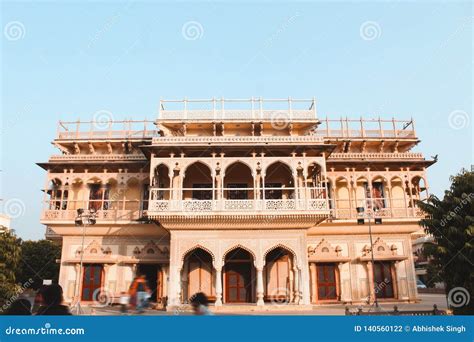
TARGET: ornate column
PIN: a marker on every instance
(338, 281)
(296, 287)
(78, 285)
(370, 275)
(394, 273)
(218, 285)
(218, 178)
(165, 270)
(260, 290)
(390, 197)
(314, 282)
(304, 284)
(106, 276)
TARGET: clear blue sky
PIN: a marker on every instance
(67, 60)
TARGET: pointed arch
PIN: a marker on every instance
(282, 246)
(247, 249)
(196, 247)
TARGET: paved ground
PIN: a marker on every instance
(426, 303)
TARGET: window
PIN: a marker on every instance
(238, 194)
(273, 194)
(98, 197)
(202, 194)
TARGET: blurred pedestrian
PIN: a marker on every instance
(20, 307)
(53, 301)
(124, 300)
(200, 302)
(139, 292)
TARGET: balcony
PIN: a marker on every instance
(104, 128)
(395, 208)
(99, 157)
(375, 156)
(366, 128)
(238, 110)
(242, 206)
(237, 140)
(63, 211)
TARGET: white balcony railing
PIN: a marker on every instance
(110, 211)
(404, 155)
(238, 109)
(224, 205)
(378, 207)
(173, 140)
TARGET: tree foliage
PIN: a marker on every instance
(9, 261)
(451, 222)
(38, 262)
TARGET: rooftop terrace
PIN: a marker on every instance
(238, 109)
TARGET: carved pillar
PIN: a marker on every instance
(394, 271)
(370, 275)
(106, 276)
(218, 285)
(390, 198)
(78, 287)
(260, 291)
(304, 283)
(165, 271)
(296, 287)
(338, 281)
(314, 282)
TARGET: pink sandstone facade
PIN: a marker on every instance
(249, 201)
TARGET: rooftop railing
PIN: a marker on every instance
(238, 109)
(327, 129)
(366, 128)
(106, 129)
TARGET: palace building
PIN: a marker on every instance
(249, 201)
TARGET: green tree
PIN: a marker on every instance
(451, 222)
(38, 262)
(9, 260)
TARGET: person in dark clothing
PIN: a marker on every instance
(52, 301)
(19, 307)
(200, 302)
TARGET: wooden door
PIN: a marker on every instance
(383, 280)
(327, 286)
(237, 283)
(91, 281)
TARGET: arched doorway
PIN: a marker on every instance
(197, 182)
(198, 274)
(238, 182)
(278, 275)
(239, 277)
